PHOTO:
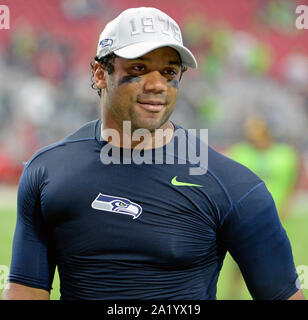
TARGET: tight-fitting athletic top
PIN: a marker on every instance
(145, 231)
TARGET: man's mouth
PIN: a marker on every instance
(151, 105)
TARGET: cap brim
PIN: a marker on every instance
(137, 50)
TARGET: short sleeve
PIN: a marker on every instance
(32, 264)
(255, 238)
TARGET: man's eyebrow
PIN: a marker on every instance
(177, 63)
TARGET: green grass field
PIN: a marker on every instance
(230, 284)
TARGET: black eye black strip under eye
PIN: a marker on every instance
(129, 79)
(174, 83)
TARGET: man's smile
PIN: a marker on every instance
(151, 105)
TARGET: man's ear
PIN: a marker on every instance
(100, 75)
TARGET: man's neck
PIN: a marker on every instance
(125, 137)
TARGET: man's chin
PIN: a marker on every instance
(148, 124)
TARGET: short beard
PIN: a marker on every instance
(137, 124)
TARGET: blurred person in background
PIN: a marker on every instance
(277, 164)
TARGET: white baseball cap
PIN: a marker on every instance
(137, 31)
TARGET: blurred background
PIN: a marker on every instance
(250, 92)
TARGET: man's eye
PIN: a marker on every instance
(171, 72)
(138, 68)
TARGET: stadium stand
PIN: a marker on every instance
(252, 59)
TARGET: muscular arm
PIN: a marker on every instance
(32, 265)
(15, 291)
(258, 243)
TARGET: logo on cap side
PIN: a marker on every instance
(105, 43)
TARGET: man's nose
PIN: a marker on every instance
(155, 82)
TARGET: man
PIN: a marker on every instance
(142, 231)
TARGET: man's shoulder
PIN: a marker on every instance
(84, 133)
(235, 178)
(229, 176)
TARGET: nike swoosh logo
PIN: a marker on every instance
(179, 183)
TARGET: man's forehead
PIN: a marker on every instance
(164, 54)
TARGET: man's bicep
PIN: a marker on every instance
(255, 238)
(31, 263)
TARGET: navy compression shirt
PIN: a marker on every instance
(133, 231)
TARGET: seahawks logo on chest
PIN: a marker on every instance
(115, 204)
